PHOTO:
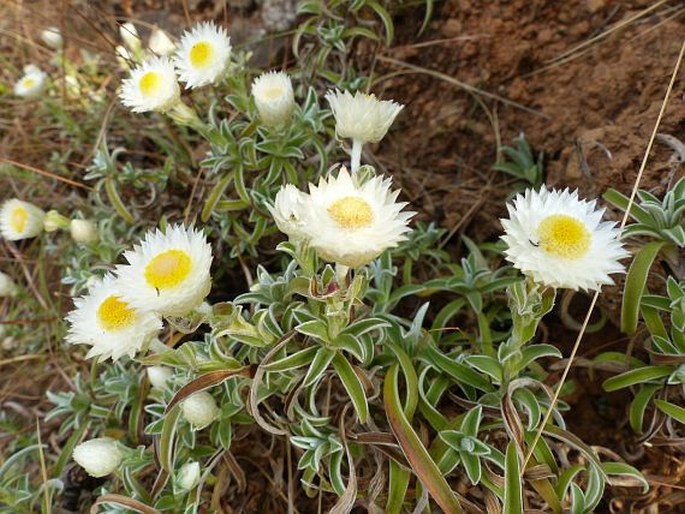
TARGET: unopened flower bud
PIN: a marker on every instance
(7, 285)
(273, 94)
(83, 231)
(99, 457)
(160, 43)
(189, 476)
(52, 37)
(159, 376)
(199, 409)
(129, 35)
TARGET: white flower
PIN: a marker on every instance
(288, 211)
(199, 409)
(20, 220)
(129, 35)
(151, 87)
(274, 97)
(32, 83)
(561, 241)
(189, 475)
(112, 326)
(99, 457)
(351, 224)
(52, 37)
(7, 286)
(203, 55)
(83, 231)
(159, 376)
(362, 117)
(160, 43)
(168, 273)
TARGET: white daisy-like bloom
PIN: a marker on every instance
(288, 211)
(52, 37)
(351, 224)
(203, 55)
(274, 98)
(7, 286)
(113, 327)
(99, 456)
(168, 273)
(32, 83)
(362, 117)
(20, 220)
(152, 86)
(160, 43)
(199, 409)
(561, 241)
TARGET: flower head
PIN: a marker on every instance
(199, 409)
(152, 86)
(52, 37)
(99, 457)
(189, 475)
(7, 286)
(351, 224)
(561, 241)
(362, 117)
(203, 55)
(288, 211)
(274, 97)
(32, 83)
(20, 220)
(109, 324)
(168, 273)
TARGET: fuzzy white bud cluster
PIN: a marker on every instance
(199, 409)
(99, 457)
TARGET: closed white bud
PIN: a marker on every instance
(274, 97)
(83, 231)
(159, 376)
(160, 43)
(199, 409)
(7, 286)
(52, 37)
(129, 35)
(99, 457)
(189, 476)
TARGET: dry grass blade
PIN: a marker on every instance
(123, 501)
(586, 321)
(46, 174)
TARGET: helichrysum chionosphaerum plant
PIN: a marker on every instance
(168, 273)
(20, 220)
(203, 55)
(362, 118)
(109, 324)
(561, 241)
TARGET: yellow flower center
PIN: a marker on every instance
(272, 93)
(351, 212)
(201, 54)
(29, 83)
(168, 269)
(114, 314)
(564, 236)
(18, 219)
(150, 83)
